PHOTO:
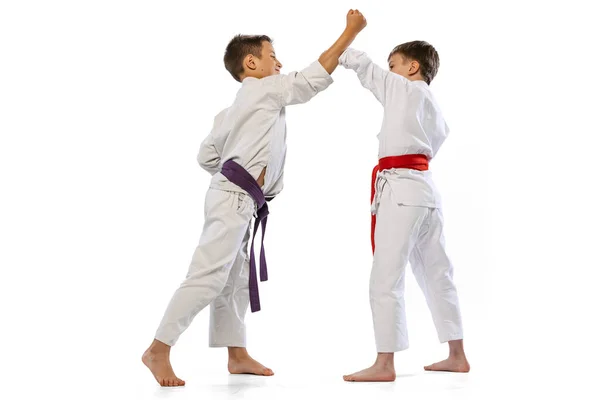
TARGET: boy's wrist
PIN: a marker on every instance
(350, 33)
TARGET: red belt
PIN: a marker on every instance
(419, 162)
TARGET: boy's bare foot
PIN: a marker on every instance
(374, 374)
(156, 358)
(451, 364)
(240, 362)
(382, 371)
(456, 361)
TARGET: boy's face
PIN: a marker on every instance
(401, 66)
(267, 64)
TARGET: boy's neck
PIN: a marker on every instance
(416, 77)
(248, 75)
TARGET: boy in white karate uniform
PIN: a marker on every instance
(245, 152)
(407, 222)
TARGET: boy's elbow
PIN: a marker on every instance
(200, 160)
(209, 165)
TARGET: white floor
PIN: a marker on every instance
(305, 386)
(129, 380)
(481, 383)
(484, 382)
(314, 372)
(93, 351)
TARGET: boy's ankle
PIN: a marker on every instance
(237, 353)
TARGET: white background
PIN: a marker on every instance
(103, 106)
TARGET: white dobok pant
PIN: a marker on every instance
(412, 234)
(218, 274)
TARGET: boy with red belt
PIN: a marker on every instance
(407, 222)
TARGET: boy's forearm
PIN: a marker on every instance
(352, 59)
(330, 58)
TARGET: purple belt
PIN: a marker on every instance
(240, 177)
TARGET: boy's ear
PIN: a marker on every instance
(414, 67)
(250, 62)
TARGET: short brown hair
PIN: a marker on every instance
(422, 52)
(238, 48)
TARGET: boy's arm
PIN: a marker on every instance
(371, 76)
(300, 87)
(208, 156)
(355, 22)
